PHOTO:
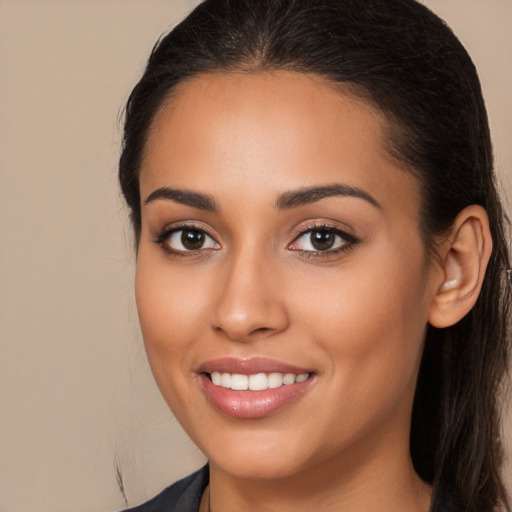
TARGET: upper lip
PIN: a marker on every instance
(249, 366)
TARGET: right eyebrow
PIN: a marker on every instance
(308, 195)
(186, 197)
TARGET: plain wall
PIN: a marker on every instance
(77, 399)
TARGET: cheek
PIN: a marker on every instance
(370, 320)
(169, 316)
(365, 297)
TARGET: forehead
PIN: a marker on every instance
(291, 106)
(269, 131)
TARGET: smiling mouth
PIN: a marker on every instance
(253, 388)
(256, 381)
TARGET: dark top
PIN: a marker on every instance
(185, 496)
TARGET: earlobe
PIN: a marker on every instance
(464, 258)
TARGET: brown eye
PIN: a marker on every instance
(192, 239)
(189, 239)
(322, 240)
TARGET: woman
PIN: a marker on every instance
(321, 274)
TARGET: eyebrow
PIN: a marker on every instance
(308, 195)
(186, 197)
(285, 201)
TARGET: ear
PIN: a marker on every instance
(464, 257)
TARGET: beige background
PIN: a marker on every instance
(76, 396)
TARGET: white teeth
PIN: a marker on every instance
(239, 382)
(225, 380)
(275, 380)
(288, 379)
(257, 381)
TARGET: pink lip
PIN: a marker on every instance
(251, 404)
(249, 366)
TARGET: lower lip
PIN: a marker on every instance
(252, 404)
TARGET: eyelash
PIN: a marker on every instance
(166, 233)
(350, 241)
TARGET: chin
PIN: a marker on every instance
(257, 453)
(255, 466)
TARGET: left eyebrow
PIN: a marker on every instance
(307, 195)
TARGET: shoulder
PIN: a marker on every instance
(182, 496)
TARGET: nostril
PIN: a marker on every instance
(244, 334)
(261, 330)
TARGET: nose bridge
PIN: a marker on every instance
(249, 304)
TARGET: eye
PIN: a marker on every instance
(322, 239)
(186, 239)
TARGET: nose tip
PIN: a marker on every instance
(249, 307)
(251, 324)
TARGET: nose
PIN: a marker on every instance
(250, 301)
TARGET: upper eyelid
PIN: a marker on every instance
(164, 233)
(326, 227)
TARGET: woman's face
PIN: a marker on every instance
(278, 237)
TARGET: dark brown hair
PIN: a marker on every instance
(408, 63)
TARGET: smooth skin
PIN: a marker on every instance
(354, 312)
